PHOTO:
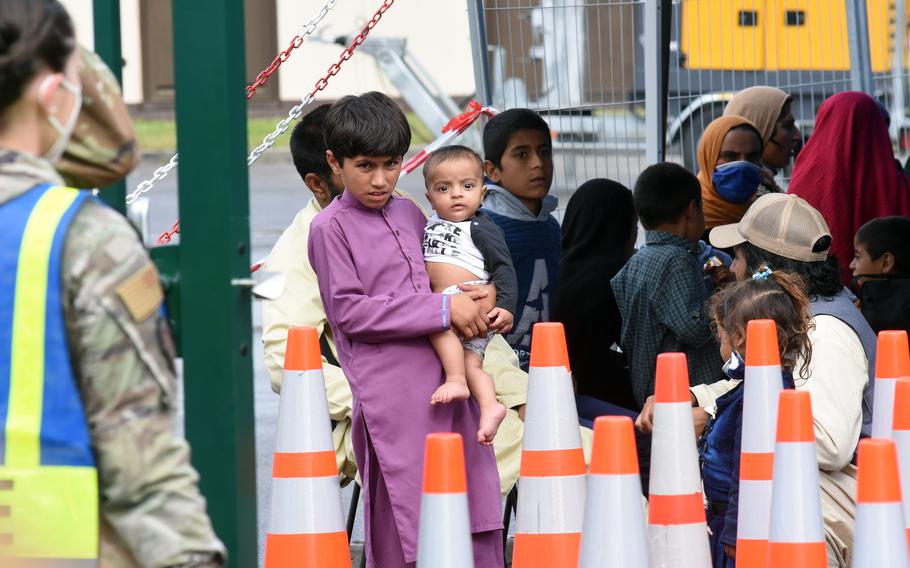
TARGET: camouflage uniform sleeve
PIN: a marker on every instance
(122, 355)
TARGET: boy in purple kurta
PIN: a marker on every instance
(366, 249)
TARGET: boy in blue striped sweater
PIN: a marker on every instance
(519, 168)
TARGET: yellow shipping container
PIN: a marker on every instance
(780, 35)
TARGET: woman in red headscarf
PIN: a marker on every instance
(847, 170)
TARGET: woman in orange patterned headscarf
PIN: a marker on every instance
(729, 164)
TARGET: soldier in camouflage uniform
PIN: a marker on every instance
(120, 348)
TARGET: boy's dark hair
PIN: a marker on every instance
(822, 278)
(780, 297)
(368, 125)
(33, 34)
(308, 145)
(888, 234)
(662, 193)
(447, 153)
(500, 128)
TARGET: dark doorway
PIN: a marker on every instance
(156, 25)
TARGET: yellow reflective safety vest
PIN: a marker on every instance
(48, 481)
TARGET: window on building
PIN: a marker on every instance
(748, 18)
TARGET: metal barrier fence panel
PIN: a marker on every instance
(575, 62)
(581, 64)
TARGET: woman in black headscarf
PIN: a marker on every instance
(598, 237)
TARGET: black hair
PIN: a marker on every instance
(822, 278)
(662, 193)
(447, 153)
(308, 145)
(33, 34)
(499, 130)
(367, 125)
(888, 234)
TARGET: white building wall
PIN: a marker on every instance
(436, 32)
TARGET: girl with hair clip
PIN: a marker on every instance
(774, 295)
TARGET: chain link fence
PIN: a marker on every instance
(581, 64)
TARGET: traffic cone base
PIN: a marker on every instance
(797, 554)
(546, 550)
(327, 550)
(751, 553)
(444, 537)
(619, 539)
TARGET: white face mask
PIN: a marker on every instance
(64, 130)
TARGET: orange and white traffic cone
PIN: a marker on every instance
(796, 537)
(676, 511)
(551, 496)
(614, 530)
(762, 388)
(892, 361)
(306, 523)
(901, 436)
(444, 540)
(880, 539)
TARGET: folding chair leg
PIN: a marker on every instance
(352, 510)
(511, 505)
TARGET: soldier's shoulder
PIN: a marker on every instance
(97, 227)
(102, 250)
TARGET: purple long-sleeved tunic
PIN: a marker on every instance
(379, 304)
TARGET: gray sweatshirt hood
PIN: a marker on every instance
(501, 202)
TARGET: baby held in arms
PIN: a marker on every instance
(464, 247)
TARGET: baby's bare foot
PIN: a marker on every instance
(451, 390)
(491, 417)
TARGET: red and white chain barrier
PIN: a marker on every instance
(452, 130)
(308, 30)
(297, 110)
(261, 79)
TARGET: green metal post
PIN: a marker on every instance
(214, 250)
(107, 46)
